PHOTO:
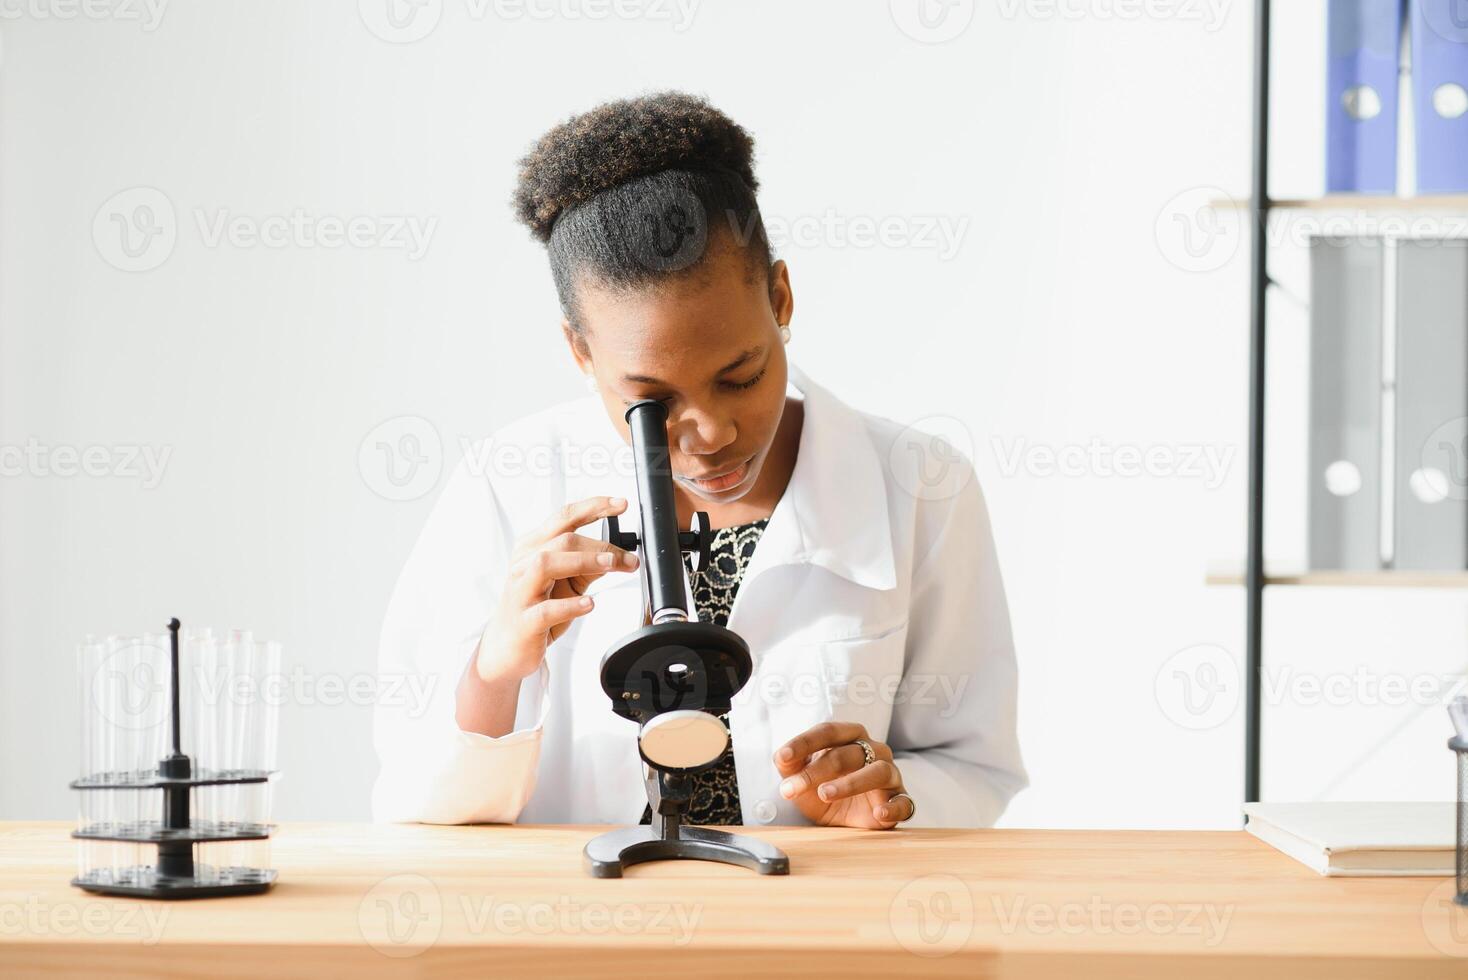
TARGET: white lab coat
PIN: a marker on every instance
(873, 596)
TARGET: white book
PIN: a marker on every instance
(1362, 839)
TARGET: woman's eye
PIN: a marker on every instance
(746, 385)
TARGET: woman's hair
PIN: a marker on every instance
(634, 192)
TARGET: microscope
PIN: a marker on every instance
(673, 676)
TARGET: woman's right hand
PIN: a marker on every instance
(550, 568)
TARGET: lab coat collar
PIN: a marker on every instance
(833, 512)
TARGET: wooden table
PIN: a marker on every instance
(356, 899)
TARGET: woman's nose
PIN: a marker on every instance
(701, 433)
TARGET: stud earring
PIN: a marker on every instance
(591, 383)
(784, 334)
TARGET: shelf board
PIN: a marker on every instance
(1356, 202)
(1385, 579)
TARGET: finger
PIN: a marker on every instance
(536, 573)
(879, 775)
(546, 615)
(571, 541)
(792, 756)
(576, 515)
(892, 814)
(830, 764)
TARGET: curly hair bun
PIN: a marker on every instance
(619, 141)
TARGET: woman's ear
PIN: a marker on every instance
(579, 351)
(782, 298)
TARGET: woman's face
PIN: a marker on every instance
(708, 346)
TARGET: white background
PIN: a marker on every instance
(1069, 143)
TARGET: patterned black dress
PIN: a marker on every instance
(716, 789)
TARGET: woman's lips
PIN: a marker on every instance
(725, 482)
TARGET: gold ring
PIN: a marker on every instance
(867, 751)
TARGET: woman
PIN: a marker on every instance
(854, 557)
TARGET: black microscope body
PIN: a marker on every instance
(674, 677)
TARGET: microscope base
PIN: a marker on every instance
(607, 855)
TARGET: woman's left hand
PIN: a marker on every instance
(826, 774)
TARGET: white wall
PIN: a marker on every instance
(1065, 146)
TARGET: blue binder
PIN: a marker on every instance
(1364, 39)
(1440, 94)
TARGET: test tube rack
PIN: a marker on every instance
(175, 874)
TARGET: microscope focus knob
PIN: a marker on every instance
(612, 533)
(698, 542)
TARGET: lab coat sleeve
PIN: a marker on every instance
(431, 771)
(957, 748)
